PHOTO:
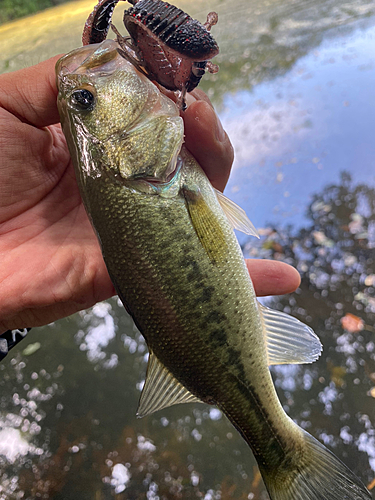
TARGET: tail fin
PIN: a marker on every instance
(318, 475)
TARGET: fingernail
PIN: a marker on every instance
(189, 99)
(219, 131)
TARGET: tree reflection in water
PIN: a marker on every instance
(68, 429)
(334, 398)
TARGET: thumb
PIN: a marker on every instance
(30, 94)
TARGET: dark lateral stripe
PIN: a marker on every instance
(10, 338)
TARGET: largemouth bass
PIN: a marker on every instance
(168, 242)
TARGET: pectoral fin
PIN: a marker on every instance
(206, 225)
(289, 341)
(236, 215)
(161, 389)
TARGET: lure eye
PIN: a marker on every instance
(82, 100)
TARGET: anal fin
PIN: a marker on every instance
(161, 389)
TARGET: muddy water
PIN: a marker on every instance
(295, 91)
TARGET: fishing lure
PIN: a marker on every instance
(165, 43)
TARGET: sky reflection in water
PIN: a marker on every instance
(297, 133)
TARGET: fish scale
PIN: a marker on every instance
(160, 270)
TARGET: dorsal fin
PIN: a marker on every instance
(161, 389)
(289, 341)
(236, 215)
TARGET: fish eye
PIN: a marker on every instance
(82, 100)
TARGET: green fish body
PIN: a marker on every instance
(168, 242)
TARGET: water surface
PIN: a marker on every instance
(296, 93)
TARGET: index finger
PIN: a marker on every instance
(271, 277)
(206, 139)
(30, 94)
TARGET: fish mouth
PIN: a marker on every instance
(97, 60)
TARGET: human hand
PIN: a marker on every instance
(51, 263)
